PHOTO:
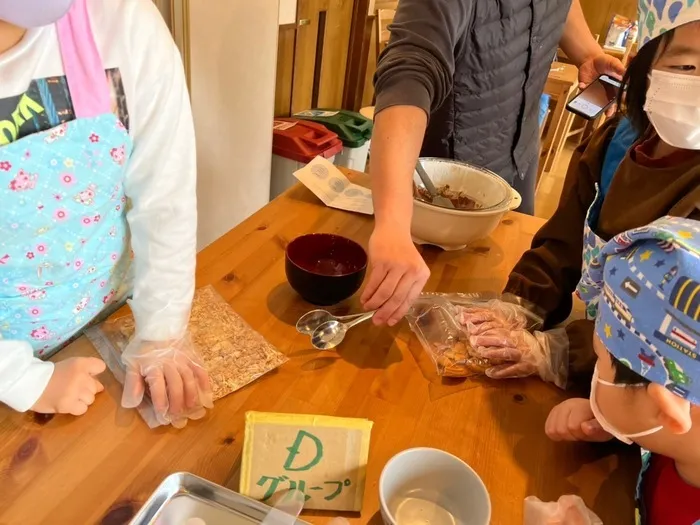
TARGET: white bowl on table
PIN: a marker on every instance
(453, 229)
(427, 485)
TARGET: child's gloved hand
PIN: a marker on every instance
(520, 353)
(573, 420)
(569, 510)
(495, 314)
(72, 387)
(177, 382)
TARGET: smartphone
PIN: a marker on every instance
(596, 98)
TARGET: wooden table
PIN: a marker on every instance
(99, 468)
(561, 84)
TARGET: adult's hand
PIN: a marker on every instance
(397, 271)
(397, 276)
(600, 64)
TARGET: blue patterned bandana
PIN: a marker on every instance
(658, 16)
(648, 281)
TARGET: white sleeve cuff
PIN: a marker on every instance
(166, 325)
(23, 377)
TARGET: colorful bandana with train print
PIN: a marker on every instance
(648, 281)
(658, 16)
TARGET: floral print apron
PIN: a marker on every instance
(64, 248)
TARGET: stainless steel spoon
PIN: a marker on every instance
(438, 200)
(331, 334)
(308, 322)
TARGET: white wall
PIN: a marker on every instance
(288, 12)
(233, 54)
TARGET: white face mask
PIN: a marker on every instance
(625, 438)
(673, 107)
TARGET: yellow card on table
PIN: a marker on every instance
(324, 457)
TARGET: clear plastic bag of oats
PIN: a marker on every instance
(444, 324)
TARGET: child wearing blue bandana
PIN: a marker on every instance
(646, 383)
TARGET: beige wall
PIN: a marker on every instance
(232, 62)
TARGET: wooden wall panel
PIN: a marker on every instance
(329, 58)
(320, 59)
(368, 91)
(335, 53)
(599, 13)
(358, 54)
(305, 52)
(285, 70)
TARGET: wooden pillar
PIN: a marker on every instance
(360, 39)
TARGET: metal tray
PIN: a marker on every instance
(182, 497)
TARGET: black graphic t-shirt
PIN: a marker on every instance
(47, 103)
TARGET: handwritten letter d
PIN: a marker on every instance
(294, 451)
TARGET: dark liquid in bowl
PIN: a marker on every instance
(328, 267)
(325, 269)
(459, 199)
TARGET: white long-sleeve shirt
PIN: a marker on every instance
(150, 96)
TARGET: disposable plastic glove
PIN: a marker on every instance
(569, 510)
(507, 313)
(173, 371)
(520, 353)
(287, 509)
(72, 387)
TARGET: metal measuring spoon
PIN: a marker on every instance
(308, 322)
(331, 334)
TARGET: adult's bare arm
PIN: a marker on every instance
(398, 272)
(577, 41)
(414, 76)
(585, 52)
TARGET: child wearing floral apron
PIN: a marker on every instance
(93, 212)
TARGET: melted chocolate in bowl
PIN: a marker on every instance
(459, 199)
(325, 269)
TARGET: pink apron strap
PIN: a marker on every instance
(85, 74)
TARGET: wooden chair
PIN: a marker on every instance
(585, 128)
(544, 123)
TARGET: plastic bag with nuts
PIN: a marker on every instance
(445, 322)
